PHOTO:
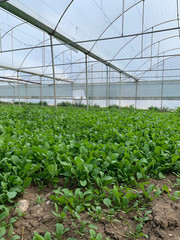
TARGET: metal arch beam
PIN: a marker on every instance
(114, 22)
(21, 80)
(159, 24)
(21, 14)
(12, 29)
(63, 15)
(48, 64)
(154, 43)
(161, 61)
(32, 73)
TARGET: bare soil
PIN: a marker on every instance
(163, 223)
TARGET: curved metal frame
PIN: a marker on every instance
(154, 43)
(167, 58)
(63, 15)
(159, 24)
(114, 22)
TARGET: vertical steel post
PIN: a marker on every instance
(12, 48)
(136, 94)
(14, 93)
(151, 48)
(178, 16)
(120, 90)
(92, 87)
(53, 70)
(72, 91)
(109, 88)
(107, 75)
(43, 64)
(41, 98)
(26, 93)
(158, 58)
(86, 82)
(123, 18)
(18, 88)
(162, 87)
(142, 39)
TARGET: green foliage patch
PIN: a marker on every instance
(106, 153)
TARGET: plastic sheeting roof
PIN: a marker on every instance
(141, 37)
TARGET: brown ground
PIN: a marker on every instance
(164, 221)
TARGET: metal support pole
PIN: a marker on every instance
(120, 82)
(107, 75)
(109, 88)
(53, 70)
(86, 82)
(162, 87)
(18, 88)
(142, 39)
(12, 48)
(26, 92)
(136, 94)
(158, 58)
(92, 87)
(178, 16)
(151, 49)
(41, 98)
(43, 64)
(14, 93)
(72, 91)
(123, 18)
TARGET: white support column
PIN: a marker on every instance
(72, 91)
(151, 49)
(41, 97)
(12, 48)
(14, 92)
(86, 82)
(53, 70)
(26, 92)
(92, 87)
(158, 58)
(109, 87)
(120, 91)
(123, 18)
(107, 76)
(136, 94)
(142, 38)
(18, 88)
(162, 87)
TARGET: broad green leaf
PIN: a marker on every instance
(107, 202)
(83, 183)
(79, 162)
(2, 231)
(52, 169)
(139, 175)
(11, 195)
(15, 237)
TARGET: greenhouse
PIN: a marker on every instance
(123, 53)
(90, 119)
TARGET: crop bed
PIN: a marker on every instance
(103, 174)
